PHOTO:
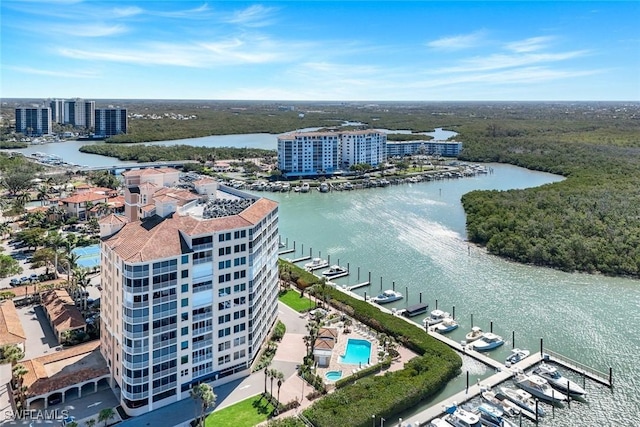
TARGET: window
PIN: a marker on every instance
(184, 274)
(240, 288)
(239, 314)
(224, 359)
(239, 341)
(184, 331)
(184, 345)
(184, 359)
(239, 354)
(224, 319)
(185, 259)
(185, 287)
(184, 316)
(224, 277)
(224, 332)
(223, 292)
(239, 328)
(224, 264)
(239, 261)
(224, 346)
(240, 248)
(184, 302)
(224, 251)
(239, 274)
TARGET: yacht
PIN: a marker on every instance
(323, 187)
(458, 417)
(500, 401)
(436, 316)
(557, 381)
(439, 422)
(286, 187)
(304, 188)
(387, 297)
(539, 387)
(348, 186)
(315, 264)
(492, 416)
(487, 342)
(447, 325)
(522, 398)
(475, 334)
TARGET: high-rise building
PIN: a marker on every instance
(33, 121)
(80, 113)
(308, 153)
(189, 287)
(313, 153)
(57, 110)
(110, 121)
(363, 146)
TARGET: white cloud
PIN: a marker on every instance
(253, 16)
(125, 12)
(498, 60)
(459, 42)
(89, 30)
(67, 73)
(531, 44)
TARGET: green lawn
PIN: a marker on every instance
(293, 300)
(247, 413)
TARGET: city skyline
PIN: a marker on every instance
(315, 51)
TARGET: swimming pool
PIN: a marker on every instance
(358, 352)
(333, 375)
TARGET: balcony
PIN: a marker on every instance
(202, 344)
(134, 396)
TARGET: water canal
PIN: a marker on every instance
(414, 234)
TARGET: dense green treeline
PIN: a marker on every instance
(145, 153)
(589, 222)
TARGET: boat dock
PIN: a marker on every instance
(337, 276)
(317, 267)
(579, 368)
(304, 258)
(359, 285)
(286, 251)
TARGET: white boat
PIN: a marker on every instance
(492, 416)
(557, 381)
(334, 270)
(435, 317)
(304, 188)
(475, 334)
(323, 187)
(447, 325)
(316, 263)
(507, 406)
(286, 187)
(387, 297)
(487, 342)
(522, 398)
(438, 422)
(516, 356)
(458, 417)
(348, 186)
(539, 387)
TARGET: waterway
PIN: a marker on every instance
(414, 235)
(69, 150)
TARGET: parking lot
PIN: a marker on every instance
(40, 337)
(23, 256)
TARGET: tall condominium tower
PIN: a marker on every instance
(57, 110)
(33, 121)
(80, 113)
(189, 287)
(308, 153)
(110, 121)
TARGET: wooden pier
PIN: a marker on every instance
(337, 276)
(286, 251)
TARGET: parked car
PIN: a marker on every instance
(34, 278)
(24, 279)
(15, 281)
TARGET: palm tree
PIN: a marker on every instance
(23, 198)
(43, 194)
(266, 375)
(280, 378)
(273, 374)
(10, 353)
(80, 278)
(103, 208)
(5, 229)
(106, 414)
(91, 422)
(307, 343)
(55, 240)
(204, 394)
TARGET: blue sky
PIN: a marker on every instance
(301, 50)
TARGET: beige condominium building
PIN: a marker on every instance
(189, 279)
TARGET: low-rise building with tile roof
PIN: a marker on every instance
(62, 312)
(11, 331)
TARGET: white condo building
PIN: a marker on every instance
(79, 113)
(189, 287)
(313, 153)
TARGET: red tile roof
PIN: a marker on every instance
(85, 197)
(11, 331)
(62, 310)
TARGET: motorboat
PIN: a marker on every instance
(521, 398)
(435, 317)
(333, 271)
(492, 416)
(516, 356)
(475, 334)
(539, 387)
(348, 186)
(387, 297)
(286, 187)
(557, 380)
(304, 188)
(323, 187)
(316, 263)
(508, 407)
(447, 325)
(296, 189)
(487, 342)
(459, 417)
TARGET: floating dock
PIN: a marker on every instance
(304, 258)
(286, 251)
(317, 267)
(359, 285)
(337, 276)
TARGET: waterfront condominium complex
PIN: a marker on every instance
(110, 121)
(79, 113)
(313, 153)
(189, 283)
(409, 148)
(57, 110)
(33, 121)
